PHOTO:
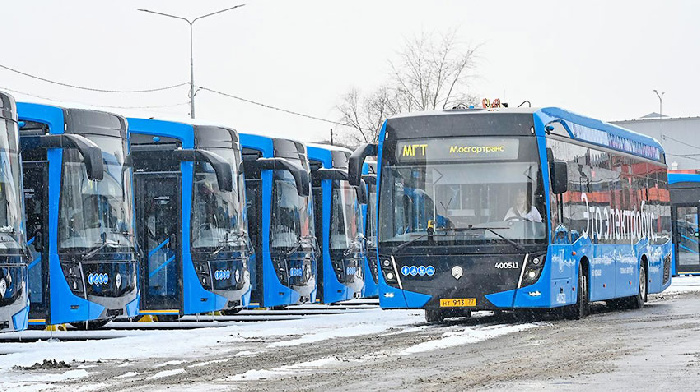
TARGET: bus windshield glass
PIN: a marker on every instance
(94, 213)
(10, 188)
(217, 217)
(468, 190)
(346, 216)
(291, 220)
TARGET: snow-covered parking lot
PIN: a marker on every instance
(243, 352)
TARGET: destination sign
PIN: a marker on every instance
(457, 149)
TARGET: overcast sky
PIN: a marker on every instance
(599, 58)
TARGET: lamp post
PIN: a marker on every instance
(661, 112)
(191, 23)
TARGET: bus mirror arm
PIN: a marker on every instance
(362, 192)
(357, 159)
(370, 178)
(559, 177)
(92, 154)
(222, 169)
(330, 174)
(301, 176)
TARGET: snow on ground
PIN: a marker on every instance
(188, 347)
(681, 284)
(467, 336)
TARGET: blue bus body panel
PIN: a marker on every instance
(274, 292)
(333, 290)
(195, 298)
(64, 306)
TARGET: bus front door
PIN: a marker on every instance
(686, 240)
(36, 211)
(158, 226)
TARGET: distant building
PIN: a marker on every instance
(680, 138)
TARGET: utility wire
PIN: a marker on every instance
(681, 142)
(270, 106)
(97, 106)
(91, 88)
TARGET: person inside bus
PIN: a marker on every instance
(523, 209)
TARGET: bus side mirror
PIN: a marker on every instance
(222, 169)
(357, 160)
(559, 177)
(301, 176)
(92, 154)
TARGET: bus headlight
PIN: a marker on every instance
(533, 270)
(389, 272)
(3, 288)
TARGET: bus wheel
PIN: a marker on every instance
(580, 309)
(434, 315)
(231, 311)
(637, 301)
(90, 325)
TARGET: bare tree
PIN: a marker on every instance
(431, 72)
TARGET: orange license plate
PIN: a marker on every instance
(457, 302)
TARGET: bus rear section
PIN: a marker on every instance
(191, 223)
(339, 225)
(497, 211)
(14, 300)
(79, 209)
(281, 217)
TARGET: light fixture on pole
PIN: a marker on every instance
(191, 23)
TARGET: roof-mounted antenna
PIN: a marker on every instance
(528, 104)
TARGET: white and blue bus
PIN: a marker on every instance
(685, 203)
(517, 208)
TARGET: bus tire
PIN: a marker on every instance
(637, 301)
(434, 315)
(580, 309)
(231, 311)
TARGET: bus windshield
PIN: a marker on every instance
(10, 188)
(217, 217)
(93, 213)
(491, 198)
(291, 220)
(346, 217)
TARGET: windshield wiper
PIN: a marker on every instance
(491, 229)
(411, 241)
(99, 248)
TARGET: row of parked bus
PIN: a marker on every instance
(459, 210)
(109, 217)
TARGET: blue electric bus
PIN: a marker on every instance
(14, 301)
(282, 221)
(371, 269)
(78, 197)
(517, 208)
(685, 205)
(191, 221)
(339, 227)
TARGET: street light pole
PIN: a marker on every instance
(191, 23)
(661, 112)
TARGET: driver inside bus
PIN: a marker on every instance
(523, 210)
